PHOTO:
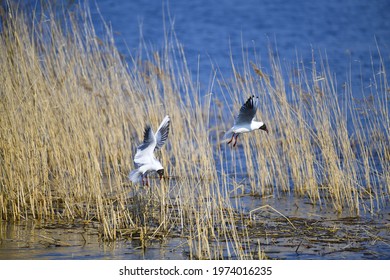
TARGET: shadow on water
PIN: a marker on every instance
(298, 231)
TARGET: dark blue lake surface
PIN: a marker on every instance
(346, 32)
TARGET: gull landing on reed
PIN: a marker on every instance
(244, 122)
(144, 159)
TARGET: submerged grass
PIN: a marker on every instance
(72, 113)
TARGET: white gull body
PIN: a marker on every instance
(144, 159)
(244, 122)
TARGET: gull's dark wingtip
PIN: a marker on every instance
(146, 131)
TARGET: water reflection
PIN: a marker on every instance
(296, 230)
(34, 240)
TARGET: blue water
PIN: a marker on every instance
(346, 32)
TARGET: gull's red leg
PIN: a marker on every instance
(235, 140)
(231, 139)
(147, 181)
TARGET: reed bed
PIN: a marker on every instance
(73, 111)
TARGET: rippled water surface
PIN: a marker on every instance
(347, 33)
(317, 235)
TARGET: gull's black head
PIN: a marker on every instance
(264, 127)
(160, 172)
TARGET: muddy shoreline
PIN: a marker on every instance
(297, 235)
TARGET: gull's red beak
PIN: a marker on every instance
(160, 173)
(264, 127)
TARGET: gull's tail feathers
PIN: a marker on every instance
(135, 176)
(228, 134)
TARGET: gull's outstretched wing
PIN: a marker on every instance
(144, 153)
(162, 132)
(149, 139)
(247, 111)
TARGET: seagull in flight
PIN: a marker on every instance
(244, 122)
(144, 159)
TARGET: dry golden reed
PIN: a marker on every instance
(72, 113)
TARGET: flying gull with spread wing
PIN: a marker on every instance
(144, 159)
(244, 122)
